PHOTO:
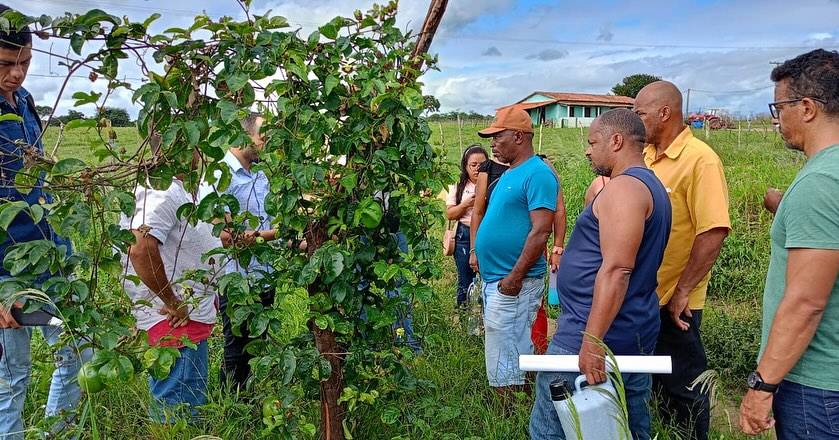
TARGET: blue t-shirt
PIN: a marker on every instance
(635, 328)
(504, 229)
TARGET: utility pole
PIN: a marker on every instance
(687, 104)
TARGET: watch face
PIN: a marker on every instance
(752, 380)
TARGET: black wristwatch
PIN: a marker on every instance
(755, 382)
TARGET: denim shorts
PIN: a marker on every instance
(507, 324)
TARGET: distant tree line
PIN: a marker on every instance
(448, 116)
(119, 117)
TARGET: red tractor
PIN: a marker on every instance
(715, 118)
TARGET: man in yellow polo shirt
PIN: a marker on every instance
(694, 178)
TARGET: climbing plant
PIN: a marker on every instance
(349, 165)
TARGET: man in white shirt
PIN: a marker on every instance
(176, 310)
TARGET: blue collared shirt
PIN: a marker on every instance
(250, 189)
(15, 136)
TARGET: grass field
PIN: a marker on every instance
(453, 400)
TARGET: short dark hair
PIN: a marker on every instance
(625, 122)
(250, 123)
(14, 39)
(814, 74)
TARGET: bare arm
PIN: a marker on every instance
(454, 212)
(478, 212)
(706, 248)
(534, 247)
(148, 264)
(810, 277)
(621, 213)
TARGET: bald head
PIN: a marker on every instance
(662, 93)
(659, 105)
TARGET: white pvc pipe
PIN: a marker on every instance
(570, 364)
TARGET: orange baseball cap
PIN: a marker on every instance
(510, 118)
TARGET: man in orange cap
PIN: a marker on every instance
(510, 246)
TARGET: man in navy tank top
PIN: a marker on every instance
(607, 280)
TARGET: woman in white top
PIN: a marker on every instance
(459, 205)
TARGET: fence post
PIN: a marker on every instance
(460, 133)
(540, 138)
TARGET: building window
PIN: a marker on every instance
(588, 112)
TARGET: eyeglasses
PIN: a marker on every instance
(774, 110)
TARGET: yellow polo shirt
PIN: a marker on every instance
(694, 178)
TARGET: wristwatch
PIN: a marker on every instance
(755, 382)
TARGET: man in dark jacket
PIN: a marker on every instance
(16, 136)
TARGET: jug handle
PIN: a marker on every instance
(581, 379)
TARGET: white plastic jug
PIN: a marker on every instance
(596, 409)
(553, 294)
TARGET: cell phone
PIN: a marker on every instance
(36, 318)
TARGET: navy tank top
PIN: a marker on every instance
(635, 328)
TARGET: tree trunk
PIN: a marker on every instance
(332, 414)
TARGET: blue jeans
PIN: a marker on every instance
(507, 324)
(184, 388)
(405, 311)
(465, 274)
(15, 367)
(803, 412)
(545, 425)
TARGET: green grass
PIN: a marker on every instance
(453, 400)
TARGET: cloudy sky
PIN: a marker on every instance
(496, 52)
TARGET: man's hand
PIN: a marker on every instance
(772, 199)
(510, 285)
(556, 257)
(754, 412)
(178, 316)
(6, 319)
(473, 262)
(592, 361)
(677, 306)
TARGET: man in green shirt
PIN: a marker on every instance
(796, 374)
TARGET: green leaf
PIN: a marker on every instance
(258, 324)
(171, 99)
(65, 167)
(124, 200)
(289, 364)
(80, 123)
(314, 38)
(151, 19)
(330, 84)
(11, 117)
(193, 132)
(322, 322)
(299, 70)
(76, 42)
(390, 414)
(329, 31)
(339, 291)
(333, 265)
(37, 213)
(412, 98)
(369, 213)
(83, 98)
(236, 81)
(349, 181)
(227, 111)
